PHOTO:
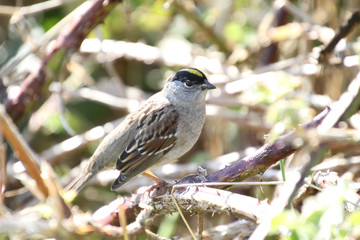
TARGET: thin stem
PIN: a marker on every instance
(181, 213)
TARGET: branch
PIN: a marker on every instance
(206, 199)
(25, 154)
(270, 54)
(32, 9)
(35, 85)
(344, 30)
(159, 201)
(264, 157)
(218, 40)
(2, 176)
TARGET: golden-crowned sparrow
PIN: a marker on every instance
(164, 128)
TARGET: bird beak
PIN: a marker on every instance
(207, 86)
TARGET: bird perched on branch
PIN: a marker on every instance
(163, 129)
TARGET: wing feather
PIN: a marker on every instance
(156, 136)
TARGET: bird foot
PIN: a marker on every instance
(158, 189)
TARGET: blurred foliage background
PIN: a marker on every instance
(262, 56)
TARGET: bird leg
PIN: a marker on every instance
(160, 188)
(153, 177)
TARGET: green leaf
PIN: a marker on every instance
(168, 225)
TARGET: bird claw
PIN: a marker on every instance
(189, 179)
(158, 189)
(192, 178)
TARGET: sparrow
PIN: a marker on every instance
(164, 128)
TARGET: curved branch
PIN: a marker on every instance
(35, 85)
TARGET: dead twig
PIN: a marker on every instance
(123, 222)
(219, 41)
(26, 155)
(344, 108)
(200, 225)
(78, 142)
(344, 30)
(2, 175)
(32, 9)
(32, 88)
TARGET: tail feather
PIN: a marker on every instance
(121, 180)
(78, 183)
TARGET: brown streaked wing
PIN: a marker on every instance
(156, 136)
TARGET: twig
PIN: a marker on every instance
(2, 175)
(336, 162)
(181, 214)
(200, 225)
(42, 43)
(270, 53)
(208, 30)
(262, 73)
(57, 203)
(318, 182)
(240, 228)
(2, 172)
(206, 199)
(110, 67)
(344, 30)
(316, 156)
(133, 228)
(61, 105)
(2, 91)
(148, 54)
(214, 184)
(78, 142)
(189, 198)
(245, 121)
(123, 222)
(26, 155)
(71, 38)
(299, 12)
(345, 107)
(154, 235)
(34, 8)
(99, 96)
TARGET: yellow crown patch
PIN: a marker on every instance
(194, 71)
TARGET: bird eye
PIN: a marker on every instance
(188, 83)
